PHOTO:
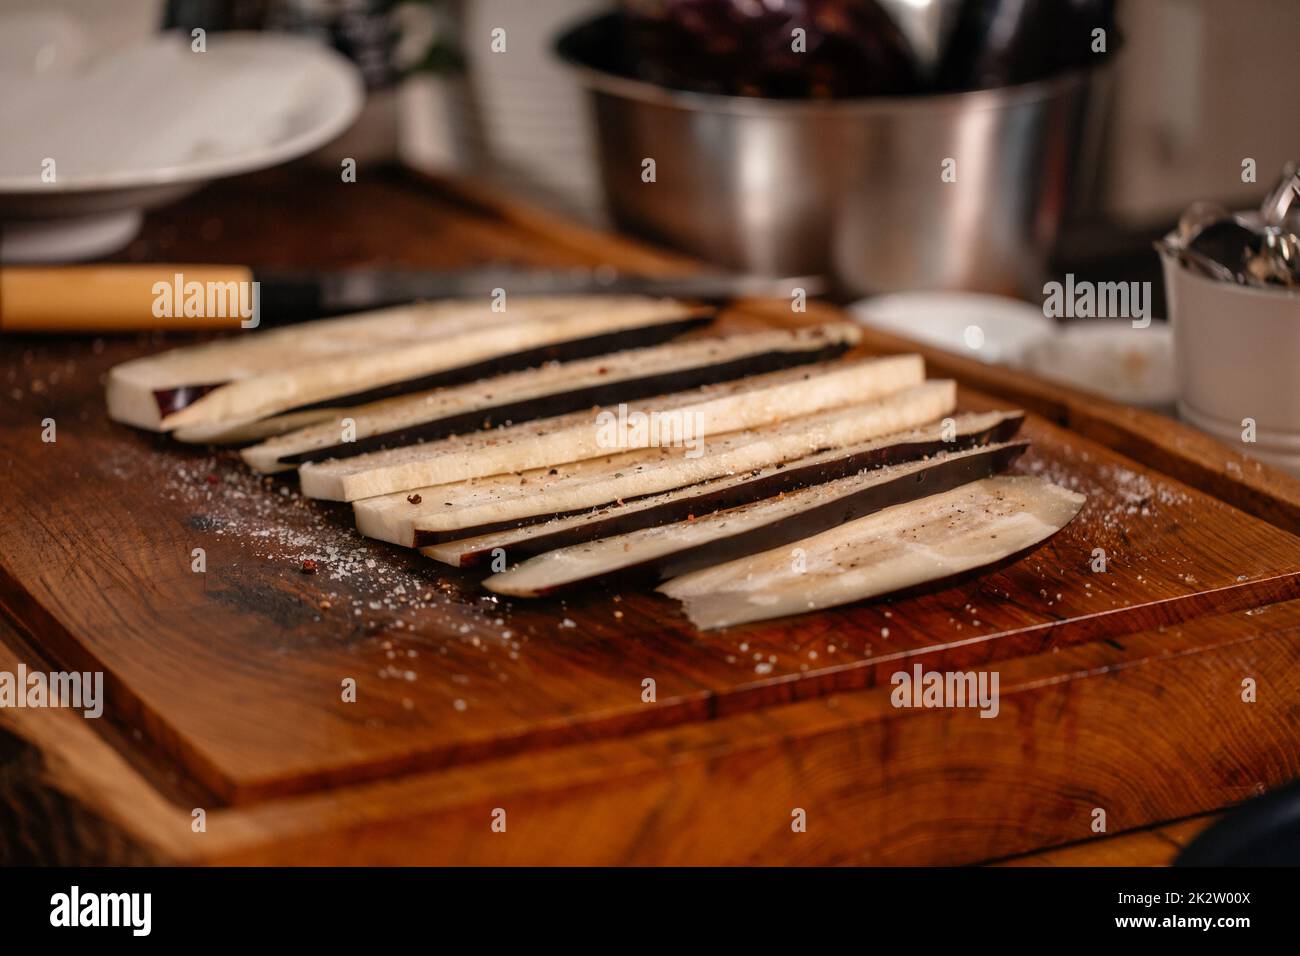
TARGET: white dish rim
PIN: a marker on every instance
(348, 94)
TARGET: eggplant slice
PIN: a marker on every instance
(551, 390)
(702, 412)
(351, 360)
(670, 550)
(909, 544)
(226, 434)
(450, 512)
(682, 504)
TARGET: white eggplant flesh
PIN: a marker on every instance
(256, 373)
(974, 526)
(260, 430)
(430, 515)
(513, 544)
(553, 389)
(688, 420)
(673, 549)
(370, 374)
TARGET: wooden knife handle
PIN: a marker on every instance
(123, 298)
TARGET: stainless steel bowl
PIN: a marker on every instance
(852, 188)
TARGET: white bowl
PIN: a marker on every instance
(991, 328)
(136, 126)
(1237, 360)
(1112, 358)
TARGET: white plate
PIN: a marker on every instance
(136, 126)
(1111, 358)
(990, 328)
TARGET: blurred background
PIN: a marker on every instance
(1193, 92)
(937, 161)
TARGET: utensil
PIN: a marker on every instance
(1198, 262)
(1001, 42)
(1227, 243)
(1249, 248)
(927, 25)
(1278, 259)
(1197, 217)
(120, 298)
(1277, 204)
(850, 187)
(1275, 261)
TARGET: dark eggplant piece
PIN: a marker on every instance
(681, 504)
(705, 412)
(935, 538)
(628, 338)
(667, 551)
(452, 511)
(553, 389)
(255, 374)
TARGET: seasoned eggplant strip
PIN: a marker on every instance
(580, 348)
(560, 403)
(452, 511)
(450, 359)
(704, 412)
(680, 504)
(258, 431)
(145, 390)
(161, 392)
(667, 551)
(933, 539)
(551, 390)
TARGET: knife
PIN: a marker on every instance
(129, 298)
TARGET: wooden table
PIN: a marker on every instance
(1121, 691)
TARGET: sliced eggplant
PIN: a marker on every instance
(144, 391)
(428, 516)
(680, 504)
(454, 511)
(670, 550)
(689, 418)
(349, 360)
(910, 544)
(551, 390)
(264, 428)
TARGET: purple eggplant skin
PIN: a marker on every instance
(588, 347)
(561, 403)
(943, 476)
(789, 478)
(171, 400)
(743, 48)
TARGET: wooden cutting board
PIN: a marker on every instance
(1122, 689)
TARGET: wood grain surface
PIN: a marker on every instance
(1121, 689)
